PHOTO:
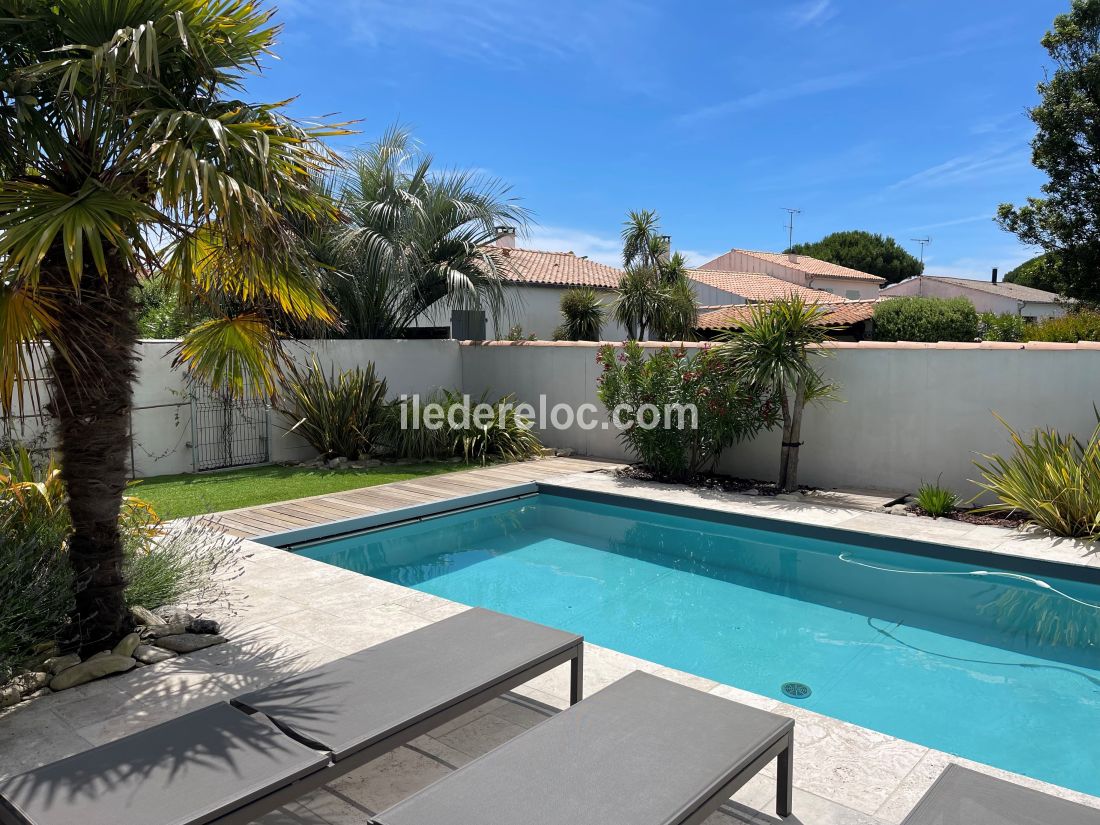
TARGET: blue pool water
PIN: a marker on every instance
(993, 668)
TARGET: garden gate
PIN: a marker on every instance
(228, 430)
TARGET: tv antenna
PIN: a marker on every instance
(790, 224)
(923, 243)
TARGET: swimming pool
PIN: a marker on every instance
(998, 666)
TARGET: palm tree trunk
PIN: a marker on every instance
(790, 470)
(91, 399)
(785, 450)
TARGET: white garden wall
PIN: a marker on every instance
(911, 412)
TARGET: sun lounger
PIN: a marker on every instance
(643, 751)
(223, 765)
(964, 797)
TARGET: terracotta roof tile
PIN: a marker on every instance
(754, 286)
(532, 266)
(842, 313)
(812, 266)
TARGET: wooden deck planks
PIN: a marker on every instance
(288, 515)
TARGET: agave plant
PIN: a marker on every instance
(1053, 478)
(936, 500)
(338, 413)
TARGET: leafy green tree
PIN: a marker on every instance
(1040, 272)
(772, 352)
(121, 122)
(865, 251)
(1065, 221)
(413, 236)
(655, 294)
(583, 315)
(918, 318)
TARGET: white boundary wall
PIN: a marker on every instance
(911, 412)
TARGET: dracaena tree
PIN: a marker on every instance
(655, 295)
(126, 149)
(774, 351)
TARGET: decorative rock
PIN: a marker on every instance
(752, 491)
(177, 617)
(144, 617)
(336, 463)
(564, 452)
(39, 693)
(898, 510)
(364, 463)
(149, 655)
(56, 664)
(189, 642)
(99, 655)
(30, 682)
(9, 696)
(204, 626)
(127, 645)
(171, 629)
(92, 669)
(789, 496)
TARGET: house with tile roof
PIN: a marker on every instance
(802, 270)
(987, 296)
(535, 282)
(848, 320)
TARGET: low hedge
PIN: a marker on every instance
(925, 319)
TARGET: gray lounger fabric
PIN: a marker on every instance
(964, 797)
(352, 703)
(188, 771)
(643, 751)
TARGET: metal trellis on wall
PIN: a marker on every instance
(228, 430)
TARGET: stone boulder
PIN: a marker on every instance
(127, 645)
(56, 664)
(189, 642)
(150, 655)
(95, 668)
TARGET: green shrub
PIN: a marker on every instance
(338, 413)
(1083, 325)
(1054, 479)
(936, 500)
(1006, 327)
(583, 315)
(727, 410)
(925, 319)
(162, 565)
(422, 429)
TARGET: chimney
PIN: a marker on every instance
(994, 274)
(506, 237)
(666, 244)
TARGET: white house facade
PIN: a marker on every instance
(986, 296)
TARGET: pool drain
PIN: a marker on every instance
(795, 690)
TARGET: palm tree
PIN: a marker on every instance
(413, 237)
(772, 351)
(583, 315)
(655, 294)
(124, 149)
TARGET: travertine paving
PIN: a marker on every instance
(293, 613)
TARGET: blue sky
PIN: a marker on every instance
(905, 117)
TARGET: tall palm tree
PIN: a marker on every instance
(413, 237)
(773, 352)
(655, 294)
(125, 149)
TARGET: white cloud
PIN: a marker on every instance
(813, 13)
(773, 94)
(964, 168)
(696, 258)
(954, 222)
(606, 250)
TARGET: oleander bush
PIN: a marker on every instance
(925, 319)
(727, 409)
(340, 413)
(1053, 478)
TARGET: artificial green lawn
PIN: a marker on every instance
(194, 494)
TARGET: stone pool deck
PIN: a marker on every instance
(293, 613)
